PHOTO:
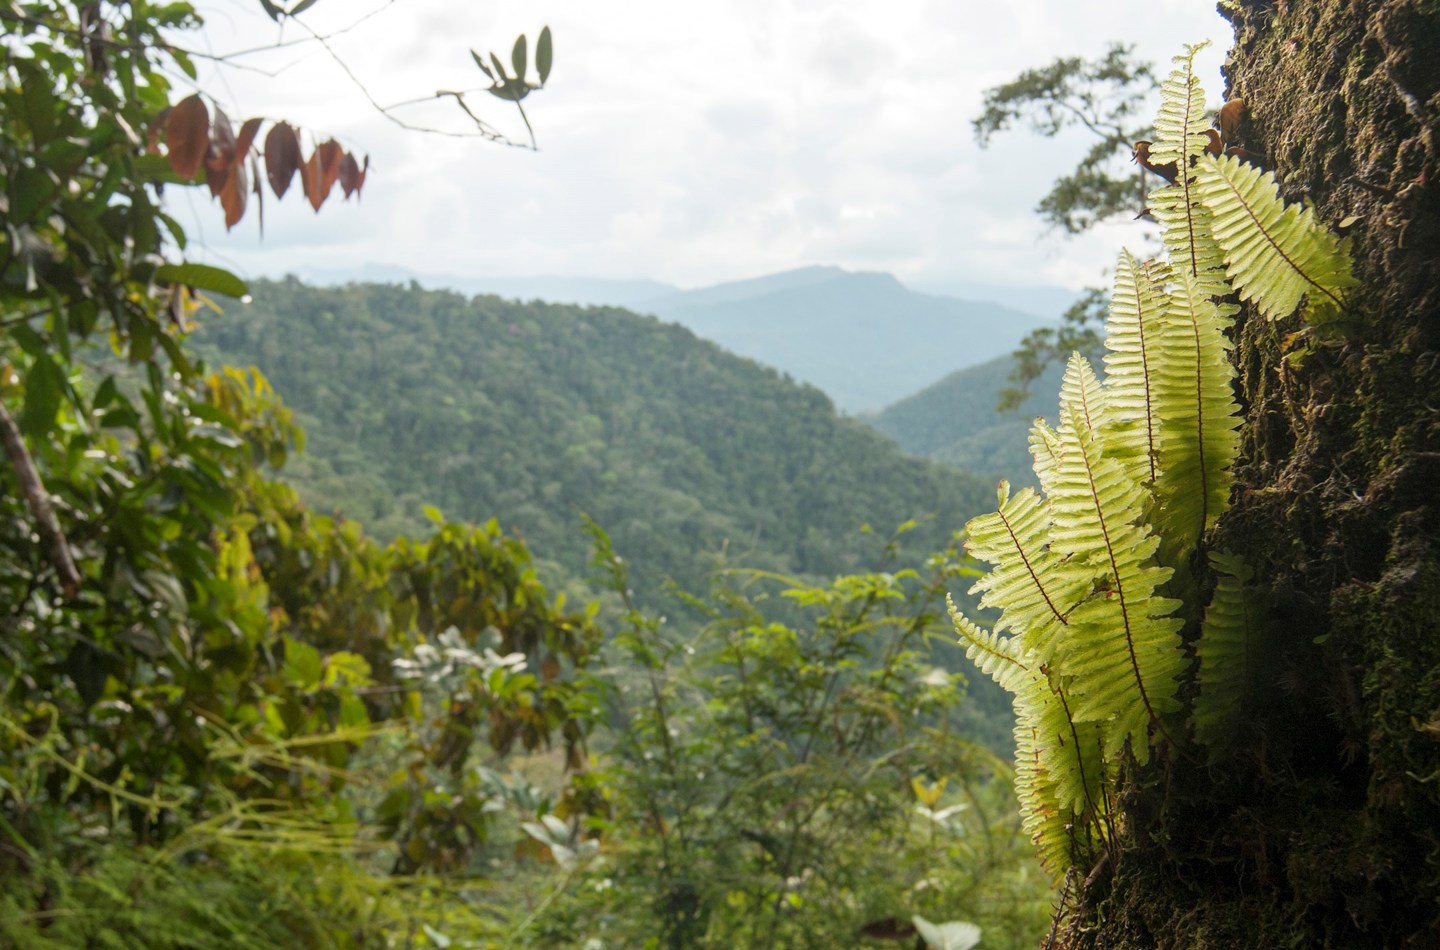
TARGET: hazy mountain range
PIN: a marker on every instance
(865, 339)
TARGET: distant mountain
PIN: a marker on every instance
(1042, 301)
(863, 338)
(955, 421)
(533, 413)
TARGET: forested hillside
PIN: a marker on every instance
(955, 421)
(533, 413)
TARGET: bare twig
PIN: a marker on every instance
(39, 503)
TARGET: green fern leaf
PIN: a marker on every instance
(1182, 132)
(1027, 584)
(1060, 776)
(1122, 652)
(994, 655)
(1182, 120)
(1194, 385)
(1275, 255)
(1137, 309)
(1227, 652)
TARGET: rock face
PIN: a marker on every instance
(1324, 831)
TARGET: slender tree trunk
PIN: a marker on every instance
(1325, 830)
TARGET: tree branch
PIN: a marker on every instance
(39, 503)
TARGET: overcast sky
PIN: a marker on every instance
(691, 143)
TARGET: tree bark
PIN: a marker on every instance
(1324, 831)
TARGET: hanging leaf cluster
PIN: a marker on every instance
(200, 143)
(516, 87)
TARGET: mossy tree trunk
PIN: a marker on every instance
(1324, 830)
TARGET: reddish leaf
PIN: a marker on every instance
(349, 174)
(328, 155)
(310, 180)
(216, 176)
(232, 199)
(1230, 115)
(360, 182)
(246, 138)
(187, 135)
(221, 154)
(282, 157)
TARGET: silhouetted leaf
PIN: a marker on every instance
(302, 6)
(282, 157)
(187, 135)
(518, 56)
(480, 61)
(544, 55)
(349, 174)
(272, 9)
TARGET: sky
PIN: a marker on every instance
(691, 143)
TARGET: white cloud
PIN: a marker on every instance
(693, 143)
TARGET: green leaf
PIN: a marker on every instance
(544, 55)
(202, 277)
(480, 61)
(518, 56)
(303, 666)
(39, 104)
(44, 388)
(302, 6)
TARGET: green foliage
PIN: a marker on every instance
(531, 413)
(1102, 96)
(1098, 577)
(791, 775)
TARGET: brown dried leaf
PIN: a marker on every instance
(328, 157)
(221, 154)
(550, 667)
(349, 174)
(232, 199)
(282, 157)
(1230, 115)
(187, 135)
(246, 138)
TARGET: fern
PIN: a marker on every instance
(1124, 646)
(1097, 577)
(1137, 307)
(1028, 585)
(1275, 254)
(1194, 383)
(1227, 655)
(1182, 132)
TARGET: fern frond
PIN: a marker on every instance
(1194, 388)
(1045, 451)
(1182, 120)
(994, 655)
(1028, 585)
(1227, 654)
(1132, 335)
(1060, 776)
(1182, 132)
(1121, 654)
(1275, 255)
